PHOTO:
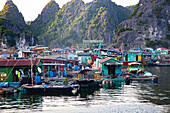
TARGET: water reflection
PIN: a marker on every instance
(137, 97)
(20, 101)
(164, 76)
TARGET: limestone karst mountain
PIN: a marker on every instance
(13, 30)
(76, 21)
(149, 23)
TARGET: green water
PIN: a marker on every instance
(135, 98)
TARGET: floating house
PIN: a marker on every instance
(24, 53)
(38, 49)
(70, 56)
(132, 55)
(46, 53)
(52, 67)
(12, 69)
(83, 57)
(7, 55)
(87, 50)
(111, 66)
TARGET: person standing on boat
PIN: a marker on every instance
(43, 85)
(19, 76)
(139, 70)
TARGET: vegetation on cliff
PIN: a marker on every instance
(13, 30)
(150, 24)
(76, 21)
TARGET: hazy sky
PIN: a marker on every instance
(31, 8)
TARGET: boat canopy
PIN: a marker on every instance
(134, 63)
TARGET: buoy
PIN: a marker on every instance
(127, 76)
(127, 80)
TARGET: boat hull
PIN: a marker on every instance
(88, 83)
(48, 90)
(113, 83)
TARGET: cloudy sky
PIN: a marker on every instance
(31, 8)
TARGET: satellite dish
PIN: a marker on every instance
(39, 69)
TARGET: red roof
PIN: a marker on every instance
(6, 52)
(18, 62)
(50, 60)
(105, 59)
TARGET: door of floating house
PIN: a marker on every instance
(111, 70)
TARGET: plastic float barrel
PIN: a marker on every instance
(75, 67)
(37, 79)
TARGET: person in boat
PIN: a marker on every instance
(43, 85)
(61, 69)
(139, 70)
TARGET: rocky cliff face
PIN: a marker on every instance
(149, 23)
(45, 18)
(13, 30)
(76, 21)
(12, 35)
(11, 12)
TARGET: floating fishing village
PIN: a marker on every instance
(84, 56)
(66, 70)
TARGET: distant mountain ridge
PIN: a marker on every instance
(76, 21)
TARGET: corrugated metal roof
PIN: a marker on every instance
(6, 52)
(18, 62)
(105, 59)
(47, 60)
(83, 54)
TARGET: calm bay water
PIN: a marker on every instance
(135, 98)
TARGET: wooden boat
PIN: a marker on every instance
(88, 78)
(55, 89)
(84, 83)
(135, 68)
(143, 78)
(110, 83)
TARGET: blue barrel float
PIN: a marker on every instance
(75, 67)
(37, 79)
